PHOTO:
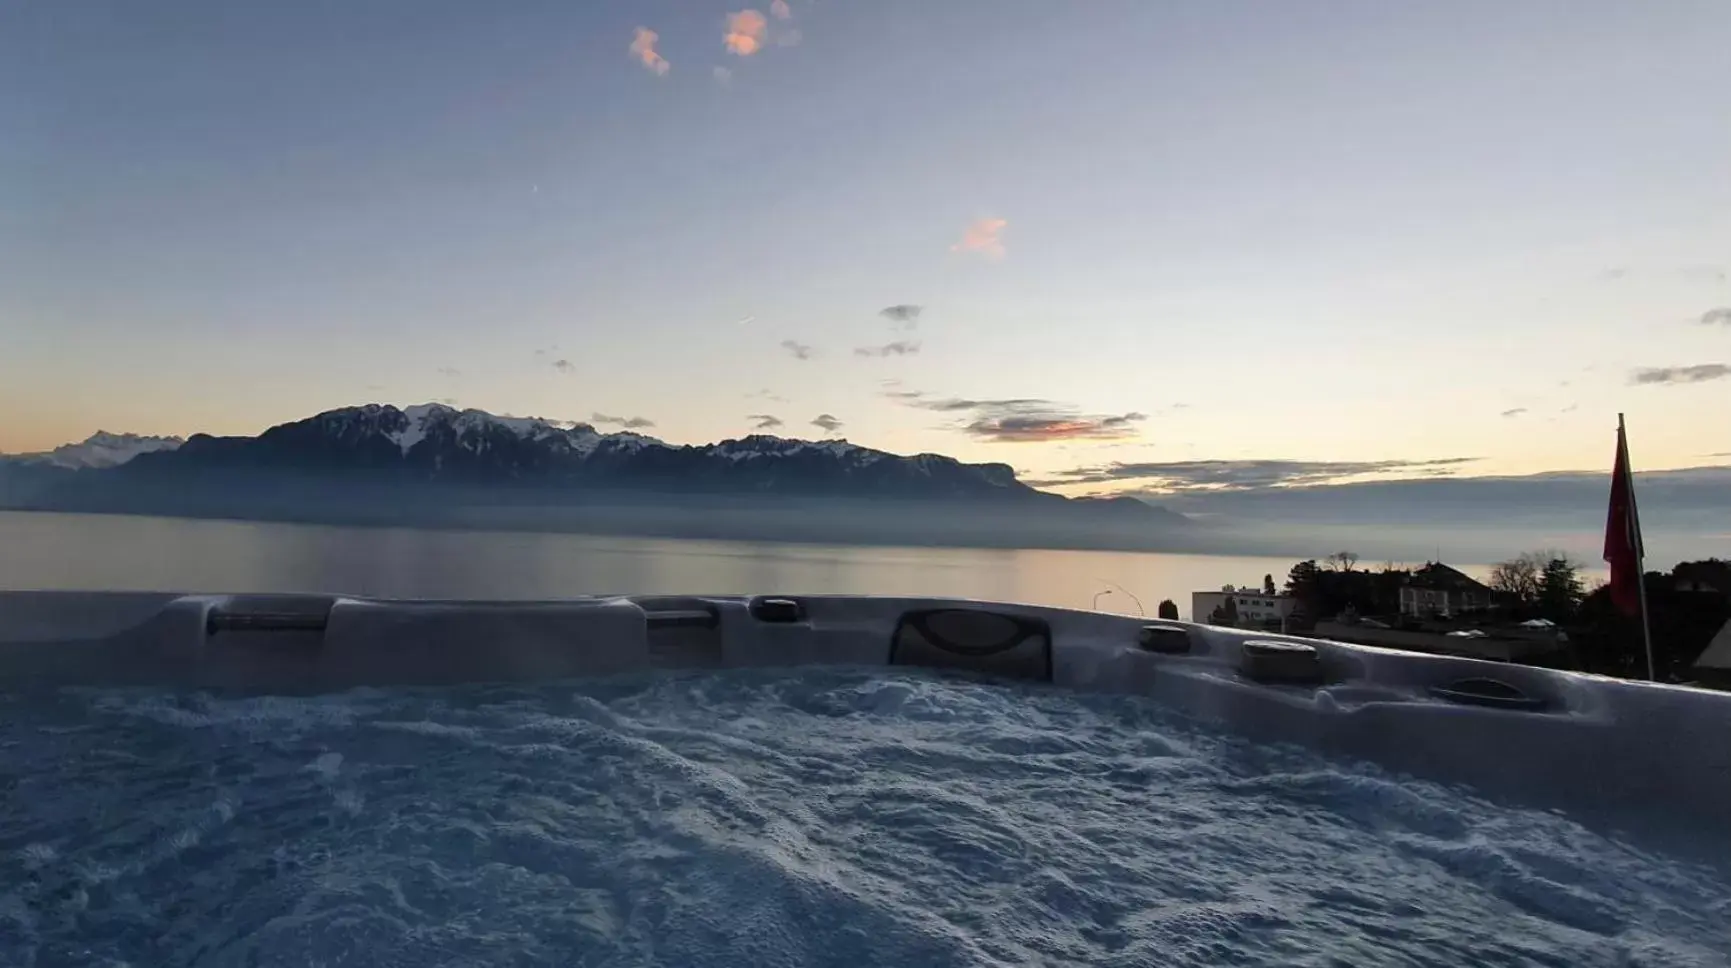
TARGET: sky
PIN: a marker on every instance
(1352, 238)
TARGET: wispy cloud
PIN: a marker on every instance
(1612, 274)
(1717, 316)
(800, 351)
(783, 35)
(925, 401)
(898, 348)
(763, 421)
(765, 395)
(450, 371)
(1705, 273)
(643, 48)
(1024, 420)
(1699, 373)
(1514, 412)
(545, 356)
(723, 75)
(826, 422)
(984, 236)
(745, 32)
(903, 315)
(629, 423)
(1239, 475)
(1033, 428)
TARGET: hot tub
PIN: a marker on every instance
(207, 779)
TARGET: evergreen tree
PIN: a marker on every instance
(1301, 581)
(1168, 610)
(1226, 614)
(1559, 591)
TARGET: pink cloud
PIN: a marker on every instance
(643, 48)
(984, 236)
(780, 10)
(745, 32)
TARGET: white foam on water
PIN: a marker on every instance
(327, 765)
(832, 818)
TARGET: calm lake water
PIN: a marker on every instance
(80, 551)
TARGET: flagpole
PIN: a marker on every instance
(1640, 550)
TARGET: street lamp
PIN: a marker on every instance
(1127, 592)
(1096, 604)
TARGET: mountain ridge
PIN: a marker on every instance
(419, 455)
(100, 449)
(434, 442)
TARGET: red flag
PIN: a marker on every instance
(1623, 534)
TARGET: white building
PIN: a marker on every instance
(1254, 605)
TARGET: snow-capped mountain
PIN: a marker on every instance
(433, 442)
(433, 465)
(101, 449)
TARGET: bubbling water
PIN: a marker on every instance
(777, 819)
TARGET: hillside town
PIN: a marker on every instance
(1533, 609)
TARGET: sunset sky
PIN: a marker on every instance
(1057, 235)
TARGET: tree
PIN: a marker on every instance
(1682, 623)
(1384, 588)
(1302, 581)
(1323, 592)
(1168, 609)
(1519, 577)
(1559, 593)
(1268, 586)
(1225, 614)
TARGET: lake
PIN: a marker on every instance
(86, 551)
